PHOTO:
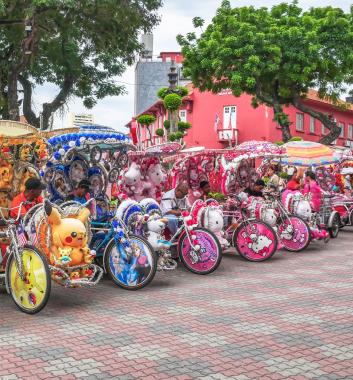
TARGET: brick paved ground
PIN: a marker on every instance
(291, 317)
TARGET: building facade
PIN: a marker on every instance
(151, 75)
(220, 120)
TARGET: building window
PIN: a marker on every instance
(312, 124)
(300, 122)
(350, 131)
(341, 125)
(229, 117)
(323, 129)
(182, 115)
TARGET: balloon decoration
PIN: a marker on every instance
(96, 153)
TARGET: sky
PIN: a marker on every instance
(176, 18)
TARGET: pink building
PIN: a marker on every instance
(220, 119)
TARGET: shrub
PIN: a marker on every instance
(182, 91)
(172, 102)
(162, 92)
(166, 124)
(183, 126)
(172, 137)
(295, 138)
(160, 132)
(146, 119)
(179, 134)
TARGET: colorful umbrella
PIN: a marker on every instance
(259, 148)
(308, 153)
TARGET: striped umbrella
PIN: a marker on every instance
(308, 153)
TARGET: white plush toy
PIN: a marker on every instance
(210, 215)
(303, 209)
(213, 221)
(155, 177)
(269, 216)
(132, 182)
(154, 234)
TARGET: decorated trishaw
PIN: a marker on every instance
(197, 248)
(99, 154)
(325, 220)
(22, 265)
(337, 181)
(250, 221)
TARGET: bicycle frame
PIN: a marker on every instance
(13, 248)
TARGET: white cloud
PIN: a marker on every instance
(177, 18)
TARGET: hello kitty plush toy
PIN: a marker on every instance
(132, 183)
(209, 215)
(155, 177)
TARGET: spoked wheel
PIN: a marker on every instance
(255, 240)
(31, 294)
(294, 233)
(131, 271)
(205, 260)
(334, 225)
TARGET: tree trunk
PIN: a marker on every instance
(282, 119)
(286, 135)
(27, 102)
(50, 108)
(12, 96)
(329, 123)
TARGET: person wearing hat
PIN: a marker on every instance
(30, 197)
(81, 193)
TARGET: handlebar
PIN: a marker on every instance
(19, 213)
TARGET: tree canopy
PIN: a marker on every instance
(276, 55)
(78, 45)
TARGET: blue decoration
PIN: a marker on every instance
(57, 155)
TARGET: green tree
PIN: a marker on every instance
(275, 55)
(80, 46)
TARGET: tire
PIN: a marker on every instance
(139, 279)
(241, 241)
(334, 225)
(38, 288)
(211, 255)
(300, 237)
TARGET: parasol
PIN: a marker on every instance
(308, 153)
(259, 148)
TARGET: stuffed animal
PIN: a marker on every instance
(209, 215)
(25, 153)
(132, 184)
(155, 227)
(69, 237)
(155, 177)
(296, 204)
(6, 177)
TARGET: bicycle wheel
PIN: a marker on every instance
(131, 271)
(294, 233)
(32, 294)
(334, 225)
(207, 259)
(255, 240)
